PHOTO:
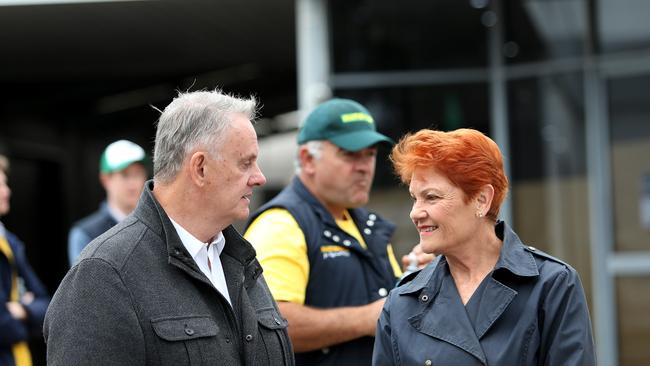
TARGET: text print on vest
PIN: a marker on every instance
(334, 251)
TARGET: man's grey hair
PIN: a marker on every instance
(193, 120)
(314, 148)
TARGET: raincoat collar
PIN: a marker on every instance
(513, 257)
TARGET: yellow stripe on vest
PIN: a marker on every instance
(332, 248)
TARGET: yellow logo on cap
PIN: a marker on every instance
(357, 117)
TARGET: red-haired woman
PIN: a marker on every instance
(490, 299)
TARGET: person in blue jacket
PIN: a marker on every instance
(122, 173)
(489, 299)
(23, 298)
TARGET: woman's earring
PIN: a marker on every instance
(479, 214)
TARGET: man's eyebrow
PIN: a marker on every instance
(249, 156)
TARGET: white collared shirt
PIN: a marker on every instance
(200, 252)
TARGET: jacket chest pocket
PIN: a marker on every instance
(274, 338)
(191, 340)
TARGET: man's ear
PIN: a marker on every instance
(484, 199)
(306, 160)
(197, 167)
(103, 179)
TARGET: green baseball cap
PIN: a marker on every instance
(119, 155)
(345, 123)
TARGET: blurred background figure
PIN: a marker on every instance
(122, 173)
(23, 299)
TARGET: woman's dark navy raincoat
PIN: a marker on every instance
(531, 310)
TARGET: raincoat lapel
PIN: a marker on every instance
(496, 299)
(447, 320)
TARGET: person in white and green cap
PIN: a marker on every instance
(122, 173)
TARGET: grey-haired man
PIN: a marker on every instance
(174, 283)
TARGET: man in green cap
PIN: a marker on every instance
(122, 173)
(328, 261)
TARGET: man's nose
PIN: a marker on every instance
(365, 163)
(136, 180)
(258, 178)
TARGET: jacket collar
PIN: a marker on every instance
(154, 216)
(358, 215)
(424, 277)
(513, 258)
(441, 314)
(151, 213)
(299, 187)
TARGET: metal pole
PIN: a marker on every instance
(498, 96)
(600, 217)
(600, 196)
(313, 57)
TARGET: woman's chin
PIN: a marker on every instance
(430, 248)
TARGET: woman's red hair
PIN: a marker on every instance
(467, 157)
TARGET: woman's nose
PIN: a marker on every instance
(417, 213)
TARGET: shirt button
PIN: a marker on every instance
(347, 243)
(424, 298)
(327, 233)
(372, 217)
(428, 363)
(325, 350)
(336, 238)
(382, 292)
(249, 337)
(277, 321)
(367, 231)
(370, 222)
(189, 331)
